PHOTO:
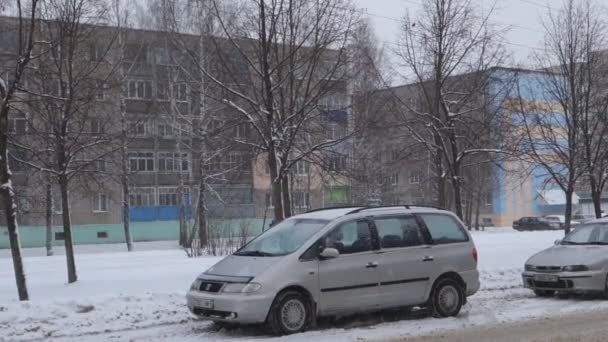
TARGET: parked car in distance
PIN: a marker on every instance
(578, 263)
(561, 219)
(535, 223)
(582, 218)
(336, 262)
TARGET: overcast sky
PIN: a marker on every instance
(522, 17)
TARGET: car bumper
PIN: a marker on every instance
(471, 279)
(236, 308)
(590, 281)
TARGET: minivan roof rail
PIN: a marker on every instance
(406, 206)
(332, 208)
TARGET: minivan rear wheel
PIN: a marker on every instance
(290, 313)
(447, 298)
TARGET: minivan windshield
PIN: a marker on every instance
(588, 234)
(282, 239)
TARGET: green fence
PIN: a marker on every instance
(35, 236)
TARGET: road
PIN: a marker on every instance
(584, 327)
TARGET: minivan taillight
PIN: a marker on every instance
(475, 256)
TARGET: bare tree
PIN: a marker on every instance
(69, 122)
(26, 33)
(449, 38)
(275, 62)
(566, 137)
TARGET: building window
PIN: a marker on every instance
(139, 89)
(162, 91)
(57, 204)
(102, 203)
(489, 199)
(300, 199)
(302, 168)
(17, 126)
(233, 161)
(142, 197)
(165, 130)
(215, 125)
(137, 129)
(96, 126)
(415, 177)
(59, 236)
(141, 161)
(335, 131)
(101, 165)
(180, 92)
(394, 179)
(100, 90)
(59, 88)
(102, 235)
(168, 196)
(240, 131)
(172, 162)
(268, 200)
(337, 163)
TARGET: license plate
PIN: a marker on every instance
(546, 277)
(204, 303)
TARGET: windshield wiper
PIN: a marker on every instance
(600, 243)
(564, 242)
(254, 253)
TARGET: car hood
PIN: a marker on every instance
(242, 266)
(569, 255)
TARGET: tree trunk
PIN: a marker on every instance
(203, 233)
(126, 191)
(568, 213)
(49, 217)
(477, 209)
(10, 208)
(596, 197)
(457, 195)
(440, 179)
(275, 187)
(286, 198)
(67, 228)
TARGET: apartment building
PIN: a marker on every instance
(168, 114)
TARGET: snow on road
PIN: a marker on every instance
(140, 297)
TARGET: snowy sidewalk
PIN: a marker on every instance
(140, 296)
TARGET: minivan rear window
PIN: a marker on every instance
(444, 229)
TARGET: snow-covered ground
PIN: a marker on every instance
(139, 296)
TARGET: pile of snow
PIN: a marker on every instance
(139, 296)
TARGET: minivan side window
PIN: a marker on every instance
(395, 232)
(350, 237)
(444, 229)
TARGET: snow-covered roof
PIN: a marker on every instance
(556, 197)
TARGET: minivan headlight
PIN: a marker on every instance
(196, 285)
(576, 268)
(529, 268)
(241, 287)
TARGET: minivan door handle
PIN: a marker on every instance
(372, 264)
(428, 258)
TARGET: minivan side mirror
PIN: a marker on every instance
(557, 242)
(329, 253)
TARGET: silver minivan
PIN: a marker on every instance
(342, 261)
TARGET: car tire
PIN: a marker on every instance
(290, 313)
(447, 298)
(544, 293)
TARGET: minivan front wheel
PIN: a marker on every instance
(447, 298)
(290, 313)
